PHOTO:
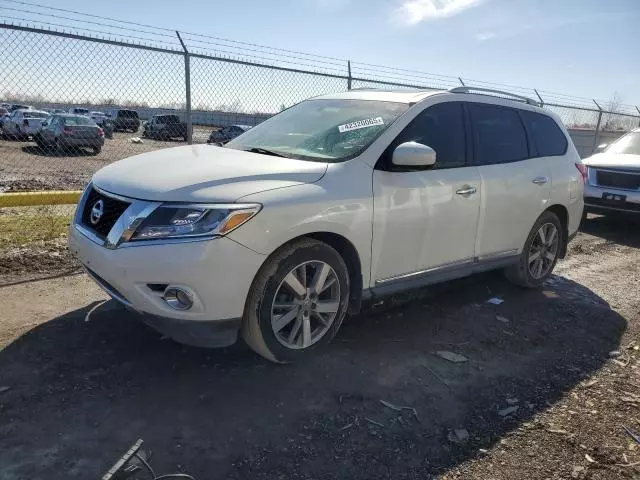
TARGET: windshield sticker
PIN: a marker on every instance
(369, 122)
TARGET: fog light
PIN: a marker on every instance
(177, 298)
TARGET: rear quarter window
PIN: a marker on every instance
(548, 138)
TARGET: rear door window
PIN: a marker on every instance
(547, 137)
(498, 134)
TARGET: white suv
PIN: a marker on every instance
(338, 199)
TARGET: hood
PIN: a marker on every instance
(615, 160)
(203, 173)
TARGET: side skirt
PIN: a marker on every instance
(438, 275)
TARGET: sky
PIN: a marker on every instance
(587, 48)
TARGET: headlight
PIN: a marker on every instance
(178, 221)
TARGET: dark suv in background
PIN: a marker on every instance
(165, 127)
(124, 120)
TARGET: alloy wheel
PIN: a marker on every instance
(543, 250)
(305, 305)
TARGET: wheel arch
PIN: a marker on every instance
(349, 254)
(562, 213)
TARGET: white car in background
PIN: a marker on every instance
(336, 200)
(22, 124)
(614, 177)
(98, 117)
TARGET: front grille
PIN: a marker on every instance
(625, 180)
(112, 211)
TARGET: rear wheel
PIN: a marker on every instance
(96, 150)
(297, 301)
(540, 253)
(60, 148)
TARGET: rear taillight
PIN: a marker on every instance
(583, 171)
(67, 131)
(100, 132)
(25, 122)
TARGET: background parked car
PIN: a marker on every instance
(124, 120)
(23, 123)
(67, 131)
(165, 127)
(4, 115)
(614, 177)
(104, 122)
(79, 111)
(226, 134)
(17, 106)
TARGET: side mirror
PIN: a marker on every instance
(413, 154)
(601, 147)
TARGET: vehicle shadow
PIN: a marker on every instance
(617, 228)
(83, 391)
(52, 152)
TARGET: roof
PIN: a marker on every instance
(398, 96)
(30, 110)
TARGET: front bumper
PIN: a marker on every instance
(593, 201)
(217, 272)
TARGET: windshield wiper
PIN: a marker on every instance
(264, 151)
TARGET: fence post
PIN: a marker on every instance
(539, 98)
(461, 82)
(638, 109)
(187, 87)
(597, 132)
(349, 74)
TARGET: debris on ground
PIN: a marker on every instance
(400, 408)
(512, 401)
(136, 140)
(495, 301)
(508, 411)
(632, 434)
(577, 471)
(4, 389)
(502, 319)
(373, 422)
(451, 356)
(346, 427)
(458, 435)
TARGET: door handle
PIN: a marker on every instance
(466, 190)
(540, 180)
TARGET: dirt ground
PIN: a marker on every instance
(551, 379)
(24, 166)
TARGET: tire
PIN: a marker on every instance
(96, 150)
(58, 148)
(302, 256)
(185, 138)
(525, 273)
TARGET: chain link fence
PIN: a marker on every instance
(182, 88)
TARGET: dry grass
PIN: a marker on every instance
(25, 225)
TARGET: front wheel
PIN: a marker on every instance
(297, 301)
(540, 253)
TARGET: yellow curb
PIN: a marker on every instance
(51, 197)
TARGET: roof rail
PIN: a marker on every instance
(465, 89)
